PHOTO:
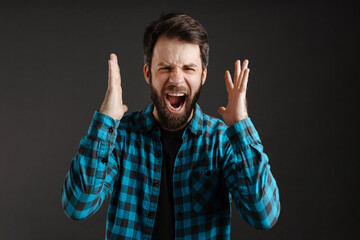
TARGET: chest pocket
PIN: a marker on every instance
(207, 191)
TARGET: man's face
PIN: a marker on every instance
(175, 80)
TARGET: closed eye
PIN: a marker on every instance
(189, 67)
(165, 69)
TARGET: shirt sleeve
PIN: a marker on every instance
(248, 178)
(93, 169)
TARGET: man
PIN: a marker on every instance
(171, 170)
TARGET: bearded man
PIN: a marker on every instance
(170, 170)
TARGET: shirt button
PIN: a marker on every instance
(151, 214)
(157, 154)
(111, 130)
(156, 183)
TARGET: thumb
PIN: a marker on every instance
(125, 108)
(221, 110)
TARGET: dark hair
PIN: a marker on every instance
(176, 25)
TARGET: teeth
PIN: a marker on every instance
(175, 108)
(176, 94)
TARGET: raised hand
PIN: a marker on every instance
(236, 109)
(112, 104)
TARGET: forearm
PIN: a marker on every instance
(250, 181)
(92, 170)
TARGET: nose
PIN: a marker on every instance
(176, 76)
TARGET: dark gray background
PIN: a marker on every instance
(304, 61)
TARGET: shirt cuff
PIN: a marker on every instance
(103, 127)
(243, 134)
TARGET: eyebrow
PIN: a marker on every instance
(190, 65)
(164, 64)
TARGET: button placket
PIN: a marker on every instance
(157, 154)
(156, 183)
(151, 214)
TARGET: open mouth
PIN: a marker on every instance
(175, 101)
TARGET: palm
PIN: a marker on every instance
(236, 109)
(113, 103)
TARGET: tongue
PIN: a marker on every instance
(175, 101)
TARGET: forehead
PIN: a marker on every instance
(174, 51)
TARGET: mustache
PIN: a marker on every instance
(173, 88)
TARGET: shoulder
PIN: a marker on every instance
(213, 125)
(139, 121)
(131, 120)
(202, 123)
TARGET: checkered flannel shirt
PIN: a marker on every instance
(215, 165)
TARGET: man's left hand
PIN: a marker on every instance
(236, 109)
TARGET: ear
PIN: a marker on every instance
(147, 73)
(203, 75)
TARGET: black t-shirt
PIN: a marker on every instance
(165, 218)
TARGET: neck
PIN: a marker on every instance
(157, 119)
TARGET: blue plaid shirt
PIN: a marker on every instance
(215, 165)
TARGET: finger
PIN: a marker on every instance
(109, 73)
(116, 67)
(125, 108)
(113, 57)
(245, 80)
(244, 66)
(221, 110)
(114, 76)
(237, 73)
(228, 82)
(114, 61)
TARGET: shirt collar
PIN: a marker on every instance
(148, 121)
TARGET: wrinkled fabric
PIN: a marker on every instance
(215, 165)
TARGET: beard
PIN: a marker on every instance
(170, 120)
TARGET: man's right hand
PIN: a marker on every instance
(112, 104)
